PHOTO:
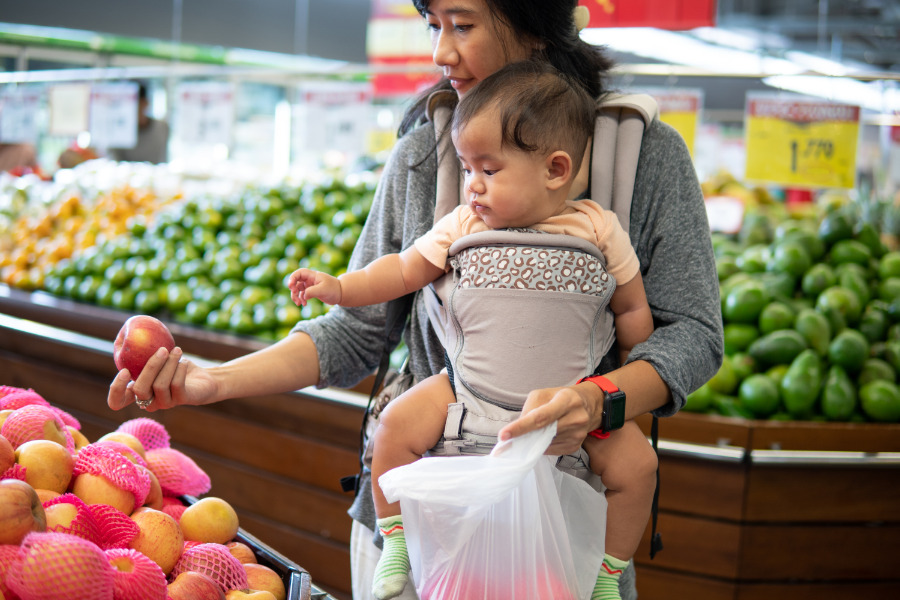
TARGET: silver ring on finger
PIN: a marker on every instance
(143, 404)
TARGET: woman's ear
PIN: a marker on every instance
(559, 169)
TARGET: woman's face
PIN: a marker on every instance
(468, 43)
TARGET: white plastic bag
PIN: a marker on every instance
(504, 526)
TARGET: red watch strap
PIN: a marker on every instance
(602, 382)
(607, 386)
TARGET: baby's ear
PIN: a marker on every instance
(559, 169)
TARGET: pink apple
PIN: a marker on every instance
(21, 511)
(139, 339)
(241, 551)
(261, 577)
(192, 585)
(160, 537)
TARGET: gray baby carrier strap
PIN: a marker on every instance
(488, 399)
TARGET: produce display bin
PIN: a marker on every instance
(297, 581)
(753, 510)
(64, 349)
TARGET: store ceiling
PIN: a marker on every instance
(863, 34)
(862, 31)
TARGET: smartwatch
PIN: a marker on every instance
(613, 406)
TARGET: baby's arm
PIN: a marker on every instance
(386, 278)
(634, 323)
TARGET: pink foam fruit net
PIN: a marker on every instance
(142, 579)
(55, 565)
(215, 561)
(106, 462)
(17, 398)
(152, 434)
(27, 423)
(177, 473)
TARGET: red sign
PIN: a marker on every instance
(663, 14)
(403, 83)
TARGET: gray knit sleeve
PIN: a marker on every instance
(670, 232)
(350, 341)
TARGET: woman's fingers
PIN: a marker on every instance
(120, 391)
(563, 405)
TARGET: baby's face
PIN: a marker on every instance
(506, 187)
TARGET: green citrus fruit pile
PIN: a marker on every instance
(811, 314)
(221, 263)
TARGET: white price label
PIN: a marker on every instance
(114, 115)
(18, 111)
(205, 112)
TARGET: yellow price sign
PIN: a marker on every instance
(680, 108)
(804, 143)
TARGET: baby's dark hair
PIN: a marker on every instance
(540, 109)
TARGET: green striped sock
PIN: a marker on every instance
(392, 571)
(607, 586)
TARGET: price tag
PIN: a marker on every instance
(69, 104)
(18, 109)
(680, 108)
(205, 112)
(114, 115)
(332, 116)
(799, 142)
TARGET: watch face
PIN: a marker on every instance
(614, 411)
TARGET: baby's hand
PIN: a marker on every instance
(306, 283)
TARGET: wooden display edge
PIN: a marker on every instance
(714, 430)
(692, 428)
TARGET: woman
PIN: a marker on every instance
(471, 39)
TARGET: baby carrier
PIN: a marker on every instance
(534, 302)
(486, 401)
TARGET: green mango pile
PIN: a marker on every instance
(811, 312)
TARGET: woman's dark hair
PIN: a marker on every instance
(550, 24)
(539, 109)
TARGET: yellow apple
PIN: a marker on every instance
(46, 495)
(261, 577)
(80, 440)
(47, 464)
(21, 511)
(125, 438)
(61, 515)
(35, 422)
(3, 415)
(7, 454)
(210, 520)
(160, 538)
(250, 594)
(96, 489)
(44, 556)
(136, 576)
(155, 496)
(241, 551)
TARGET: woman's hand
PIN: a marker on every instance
(168, 379)
(577, 410)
